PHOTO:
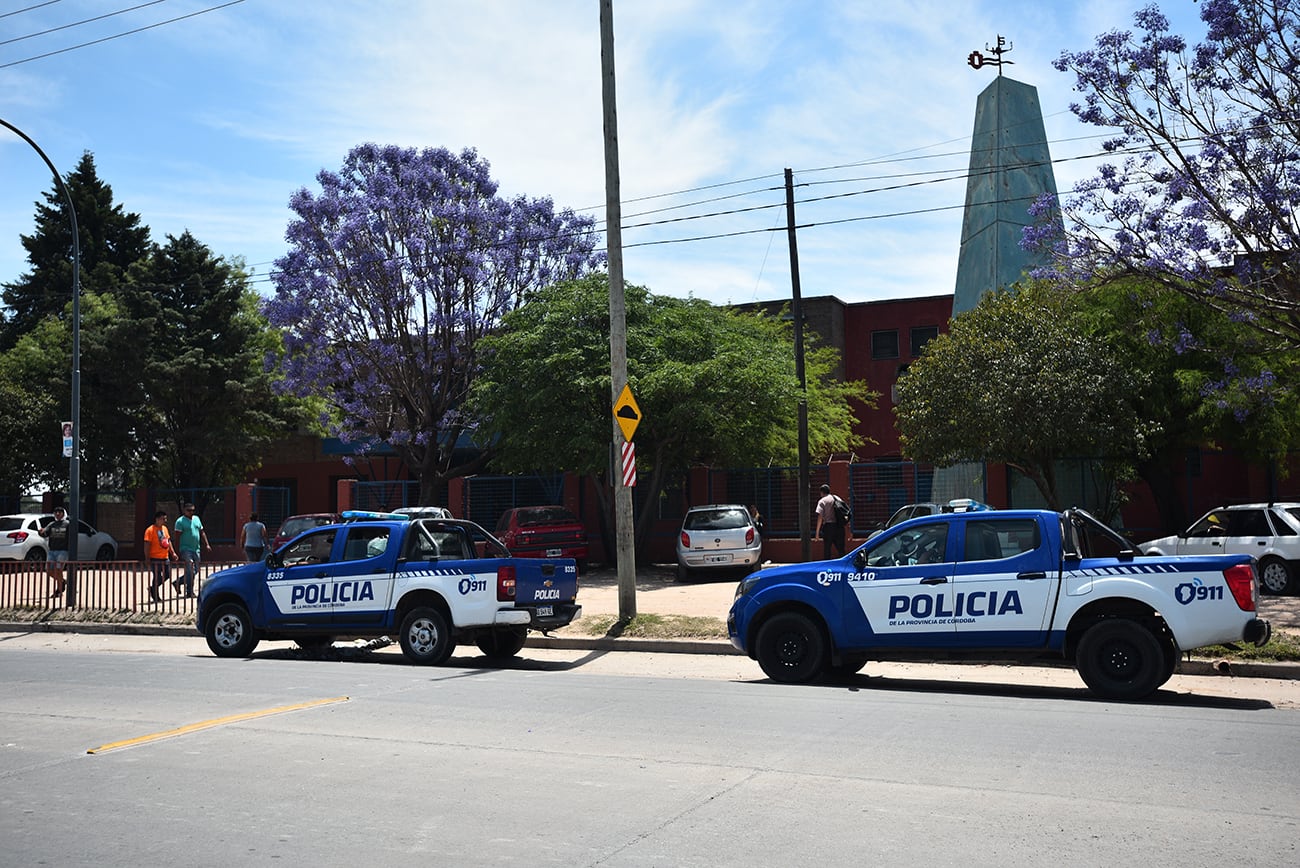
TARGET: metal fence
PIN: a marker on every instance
(387, 496)
(486, 497)
(113, 586)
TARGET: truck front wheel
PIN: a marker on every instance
(790, 648)
(230, 631)
(426, 637)
(1118, 658)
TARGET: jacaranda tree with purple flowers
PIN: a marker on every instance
(401, 262)
(1204, 191)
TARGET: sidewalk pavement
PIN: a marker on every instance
(659, 593)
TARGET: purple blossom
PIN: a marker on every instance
(400, 262)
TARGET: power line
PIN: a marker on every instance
(29, 8)
(81, 22)
(120, 35)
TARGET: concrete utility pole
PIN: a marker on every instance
(623, 528)
(74, 463)
(805, 498)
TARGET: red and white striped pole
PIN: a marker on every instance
(629, 464)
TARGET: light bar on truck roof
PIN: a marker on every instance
(367, 515)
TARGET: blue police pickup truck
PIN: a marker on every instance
(432, 582)
(999, 585)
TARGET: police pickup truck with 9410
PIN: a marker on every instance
(432, 582)
(999, 585)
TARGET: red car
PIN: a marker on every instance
(543, 532)
(296, 524)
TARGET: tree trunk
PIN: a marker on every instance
(1162, 483)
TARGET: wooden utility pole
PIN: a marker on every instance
(805, 494)
(623, 528)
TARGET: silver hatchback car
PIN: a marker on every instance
(718, 538)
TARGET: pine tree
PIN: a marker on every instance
(111, 240)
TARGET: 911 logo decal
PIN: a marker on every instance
(1189, 592)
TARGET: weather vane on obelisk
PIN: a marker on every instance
(976, 60)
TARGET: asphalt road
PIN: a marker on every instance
(579, 758)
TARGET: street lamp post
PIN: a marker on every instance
(74, 463)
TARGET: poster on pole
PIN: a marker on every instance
(67, 439)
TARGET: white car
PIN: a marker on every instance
(19, 540)
(718, 538)
(1268, 531)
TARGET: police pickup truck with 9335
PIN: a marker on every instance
(433, 583)
(999, 585)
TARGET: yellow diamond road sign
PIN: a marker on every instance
(627, 413)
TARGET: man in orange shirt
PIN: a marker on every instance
(159, 552)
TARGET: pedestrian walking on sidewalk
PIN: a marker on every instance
(253, 539)
(190, 535)
(159, 553)
(58, 540)
(830, 523)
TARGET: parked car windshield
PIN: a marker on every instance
(295, 526)
(723, 518)
(546, 515)
(11, 523)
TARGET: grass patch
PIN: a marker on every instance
(1283, 647)
(653, 627)
(34, 614)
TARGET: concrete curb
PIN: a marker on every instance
(1230, 668)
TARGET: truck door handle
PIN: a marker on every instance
(935, 580)
(1036, 574)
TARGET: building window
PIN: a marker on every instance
(922, 336)
(884, 345)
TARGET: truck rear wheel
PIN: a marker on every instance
(503, 644)
(1118, 658)
(230, 631)
(426, 637)
(790, 648)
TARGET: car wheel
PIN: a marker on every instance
(34, 554)
(846, 668)
(503, 644)
(105, 553)
(230, 631)
(1170, 649)
(684, 573)
(791, 649)
(1118, 658)
(1275, 577)
(426, 637)
(314, 644)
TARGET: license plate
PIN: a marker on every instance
(554, 553)
(717, 559)
(545, 610)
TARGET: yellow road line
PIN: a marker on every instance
(208, 724)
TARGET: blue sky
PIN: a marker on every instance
(210, 123)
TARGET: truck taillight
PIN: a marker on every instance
(749, 537)
(1241, 581)
(505, 584)
(686, 540)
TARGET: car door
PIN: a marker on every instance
(902, 594)
(362, 576)
(1005, 582)
(1248, 533)
(300, 593)
(1206, 537)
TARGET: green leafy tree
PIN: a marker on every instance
(111, 240)
(714, 386)
(1019, 381)
(208, 404)
(1214, 381)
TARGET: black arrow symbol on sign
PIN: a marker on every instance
(626, 412)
